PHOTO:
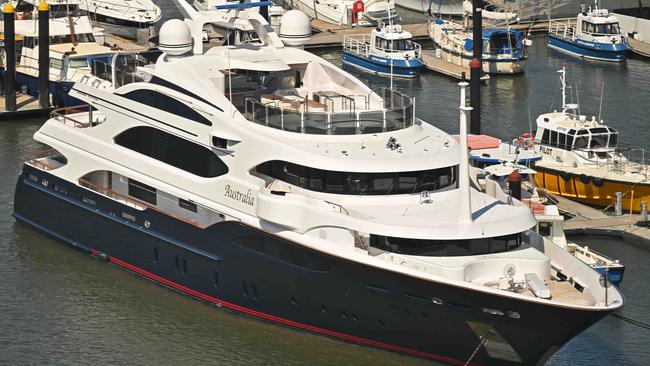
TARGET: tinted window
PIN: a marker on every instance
(166, 103)
(553, 140)
(446, 248)
(173, 150)
(142, 191)
(360, 183)
(545, 136)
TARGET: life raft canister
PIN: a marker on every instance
(357, 7)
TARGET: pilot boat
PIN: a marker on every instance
(583, 160)
(504, 51)
(387, 51)
(268, 181)
(596, 36)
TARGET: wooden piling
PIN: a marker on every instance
(10, 57)
(43, 54)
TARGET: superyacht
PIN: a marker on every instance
(266, 180)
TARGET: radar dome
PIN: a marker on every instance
(174, 38)
(295, 28)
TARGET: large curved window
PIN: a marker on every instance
(166, 103)
(173, 150)
(339, 182)
(446, 248)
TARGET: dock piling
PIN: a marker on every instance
(10, 57)
(644, 213)
(618, 207)
(476, 66)
(43, 54)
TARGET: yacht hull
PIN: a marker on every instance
(58, 89)
(594, 191)
(382, 66)
(244, 269)
(490, 65)
(589, 50)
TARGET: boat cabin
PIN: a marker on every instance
(571, 134)
(597, 25)
(393, 42)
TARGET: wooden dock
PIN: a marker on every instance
(433, 63)
(26, 107)
(639, 47)
(592, 221)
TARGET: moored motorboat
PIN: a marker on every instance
(387, 51)
(268, 181)
(73, 51)
(595, 36)
(584, 161)
(488, 150)
(504, 51)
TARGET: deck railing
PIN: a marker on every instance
(62, 115)
(398, 113)
(562, 29)
(44, 159)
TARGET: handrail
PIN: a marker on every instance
(33, 156)
(135, 202)
(60, 114)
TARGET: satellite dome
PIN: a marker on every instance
(295, 28)
(175, 38)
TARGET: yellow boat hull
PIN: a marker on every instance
(592, 191)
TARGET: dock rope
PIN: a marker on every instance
(481, 343)
(632, 321)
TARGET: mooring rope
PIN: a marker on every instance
(632, 321)
(481, 343)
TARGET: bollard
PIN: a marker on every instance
(43, 54)
(644, 213)
(10, 57)
(514, 182)
(619, 204)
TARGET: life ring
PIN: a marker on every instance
(584, 178)
(525, 140)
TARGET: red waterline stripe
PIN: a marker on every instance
(281, 320)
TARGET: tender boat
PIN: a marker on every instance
(583, 160)
(488, 150)
(504, 51)
(73, 52)
(550, 221)
(596, 36)
(387, 51)
(268, 181)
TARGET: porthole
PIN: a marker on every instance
(147, 224)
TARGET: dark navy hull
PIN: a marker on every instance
(256, 273)
(58, 89)
(382, 66)
(590, 50)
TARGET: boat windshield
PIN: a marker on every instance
(76, 63)
(397, 45)
(608, 28)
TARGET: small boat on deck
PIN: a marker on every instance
(504, 51)
(596, 36)
(488, 150)
(549, 220)
(388, 50)
(583, 161)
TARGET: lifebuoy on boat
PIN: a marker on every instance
(526, 140)
(357, 7)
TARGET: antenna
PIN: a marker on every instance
(392, 42)
(563, 79)
(600, 108)
(577, 98)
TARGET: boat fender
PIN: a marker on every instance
(565, 176)
(598, 182)
(584, 178)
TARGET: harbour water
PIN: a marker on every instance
(59, 306)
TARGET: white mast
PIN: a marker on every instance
(465, 213)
